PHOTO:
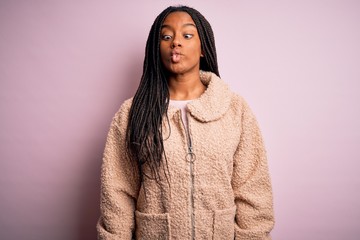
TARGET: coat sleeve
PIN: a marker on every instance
(251, 183)
(119, 185)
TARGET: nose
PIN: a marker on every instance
(176, 42)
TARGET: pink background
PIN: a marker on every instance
(66, 66)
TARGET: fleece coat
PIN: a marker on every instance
(215, 184)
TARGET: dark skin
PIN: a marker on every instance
(180, 50)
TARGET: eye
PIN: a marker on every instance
(166, 37)
(188, 36)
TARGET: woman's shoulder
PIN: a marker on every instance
(240, 106)
(238, 102)
(125, 106)
(122, 114)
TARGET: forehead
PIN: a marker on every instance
(178, 18)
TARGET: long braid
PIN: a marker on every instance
(144, 139)
(207, 42)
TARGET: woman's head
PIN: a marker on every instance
(180, 46)
(153, 60)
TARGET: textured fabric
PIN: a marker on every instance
(223, 192)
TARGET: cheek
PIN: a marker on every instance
(196, 49)
(162, 53)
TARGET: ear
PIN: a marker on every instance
(202, 53)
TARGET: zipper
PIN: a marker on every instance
(191, 163)
(190, 157)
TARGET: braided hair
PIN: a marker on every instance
(144, 139)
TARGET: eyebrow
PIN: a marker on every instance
(185, 25)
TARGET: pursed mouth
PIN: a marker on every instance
(175, 56)
(175, 51)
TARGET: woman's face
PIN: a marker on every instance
(180, 46)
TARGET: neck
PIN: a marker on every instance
(185, 87)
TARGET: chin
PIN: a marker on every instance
(175, 71)
(181, 70)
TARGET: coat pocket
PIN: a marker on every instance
(152, 226)
(224, 221)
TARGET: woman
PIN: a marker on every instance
(184, 158)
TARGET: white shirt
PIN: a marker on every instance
(181, 104)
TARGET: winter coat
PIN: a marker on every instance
(214, 183)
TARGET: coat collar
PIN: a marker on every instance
(213, 103)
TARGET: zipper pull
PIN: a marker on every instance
(190, 156)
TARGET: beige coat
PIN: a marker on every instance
(221, 190)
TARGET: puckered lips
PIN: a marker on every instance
(175, 56)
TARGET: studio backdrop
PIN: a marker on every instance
(67, 66)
